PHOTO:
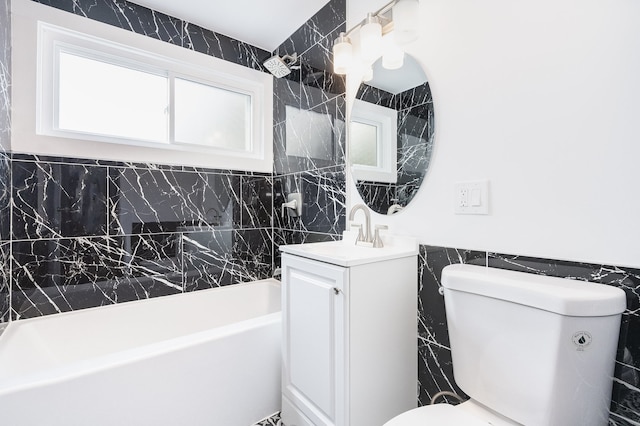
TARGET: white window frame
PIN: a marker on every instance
(52, 42)
(39, 32)
(385, 120)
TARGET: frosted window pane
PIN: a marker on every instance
(105, 99)
(364, 144)
(210, 116)
(309, 134)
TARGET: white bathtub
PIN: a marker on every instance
(210, 357)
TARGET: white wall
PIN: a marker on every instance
(543, 99)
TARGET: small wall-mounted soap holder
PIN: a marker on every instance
(293, 205)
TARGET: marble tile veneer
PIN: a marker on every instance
(88, 233)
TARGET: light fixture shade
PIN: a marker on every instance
(393, 56)
(406, 20)
(371, 38)
(342, 54)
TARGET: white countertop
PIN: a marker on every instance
(346, 253)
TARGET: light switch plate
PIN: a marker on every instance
(471, 197)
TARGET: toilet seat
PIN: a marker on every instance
(436, 415)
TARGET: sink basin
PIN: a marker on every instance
(346, 253)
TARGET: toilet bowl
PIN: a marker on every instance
(527, 349)
(468, 413)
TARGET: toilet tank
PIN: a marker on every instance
(538, 350)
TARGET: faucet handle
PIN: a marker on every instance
(293, 204)
(358, 226)
(377, 241)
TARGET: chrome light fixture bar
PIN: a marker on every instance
(381, 33)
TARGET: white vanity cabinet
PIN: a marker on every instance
(349, 339)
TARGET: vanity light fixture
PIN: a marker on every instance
(371, 38)
(381, 33)
(393, 55)
(406, 21)
(342, 54)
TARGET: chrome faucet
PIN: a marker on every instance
(367, 220)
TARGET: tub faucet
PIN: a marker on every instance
(367, 220)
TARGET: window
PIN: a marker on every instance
(113, 101)
(210, 116)
(374, 142)
(364, 150)
(110, 93)
(100, 98)
(81, 89)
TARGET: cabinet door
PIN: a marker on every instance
(314, 358)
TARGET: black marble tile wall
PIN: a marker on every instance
(270, 421)
(323, 206)
(435, 371)
(376, 96)
(89, 233)
(5, 280)
(5, 196)
(141, 20)
(307, 135)
(332, 16)
(58, 200)
(59, 275)
(309, 132)
(257, 200)
(172, 200)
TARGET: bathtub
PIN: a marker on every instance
(210, 357)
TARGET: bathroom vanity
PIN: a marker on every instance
(349, 320)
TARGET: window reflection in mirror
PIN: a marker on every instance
(374, 142)
(364, 144)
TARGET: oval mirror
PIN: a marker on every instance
(391, 136)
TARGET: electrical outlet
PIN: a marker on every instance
(463, 197)
(471, 197)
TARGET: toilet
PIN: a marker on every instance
(528, 350)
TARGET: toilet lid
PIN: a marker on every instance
(436, 415)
